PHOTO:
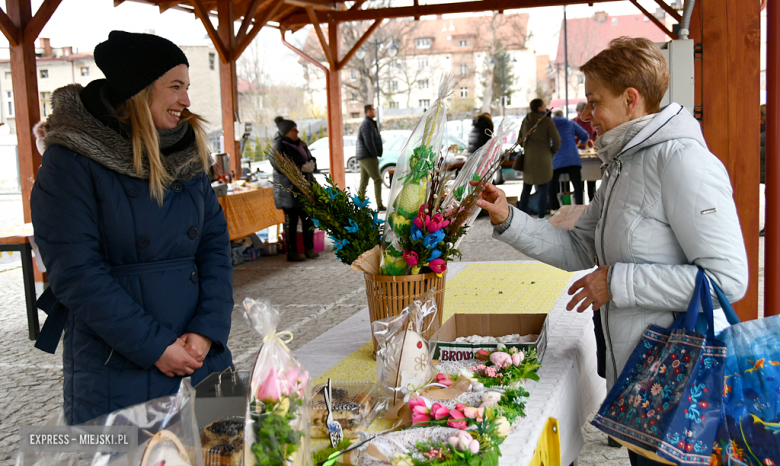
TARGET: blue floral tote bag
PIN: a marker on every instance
(666, 404)
(749, 431)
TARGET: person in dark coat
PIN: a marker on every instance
(567, 159)
(135, 244)
(287, 142)
(367, 153)
(481, 131)
(537, 155)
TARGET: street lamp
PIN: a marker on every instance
(392, 50)
(504, 58)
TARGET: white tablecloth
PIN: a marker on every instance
(569, 389)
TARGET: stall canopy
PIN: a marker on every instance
(727, 84)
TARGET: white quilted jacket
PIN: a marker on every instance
(664, 207)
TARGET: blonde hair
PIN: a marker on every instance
(135, 113)
(631, 62)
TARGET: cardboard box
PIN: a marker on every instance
(488, 325)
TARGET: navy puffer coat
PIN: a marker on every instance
(133, 275)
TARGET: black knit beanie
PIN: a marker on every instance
(284, 125)
(133, 61)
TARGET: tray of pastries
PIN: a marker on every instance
(223, 442)
(354, 407)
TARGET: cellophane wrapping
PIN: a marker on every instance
(276, 430)
(404, 357)
(480, 163)
(412, 174)
(174, 414)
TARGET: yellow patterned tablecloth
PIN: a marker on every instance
(248, 212)
(495, 288)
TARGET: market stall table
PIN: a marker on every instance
(250, 211)
(17, 238)
(569, 389)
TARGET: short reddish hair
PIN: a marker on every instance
(631, 62)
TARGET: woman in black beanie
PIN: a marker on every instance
(287, 143)
(134, 241)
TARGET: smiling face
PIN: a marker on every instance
(169, 97)
(606, 110)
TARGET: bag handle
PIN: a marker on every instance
(731, 316)
(701, 294)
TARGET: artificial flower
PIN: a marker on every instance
(338, 244)
(443, 379)
(358, 202)
(467, 374)
(415, 233)
(439, 411)
(482, 354)
(352, 228)
(438, 265)
(378, 220)
(269, 391)
(500, 347)
(433, 239)
(457, 420)
(419, 401)
(462, 441)
(435, 254)
(502, 426)
(420, 414)
(411, 258)
(331, 193)
(315, 222)
(474, 413)
(437, 223)
(290, 382)
(421, 221)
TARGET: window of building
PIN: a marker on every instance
(354, 114)
(464, 92)
(463, 43)
(394, 105)
(508, 100)
(85, 71)
(464, 70)
(45, 103)
(353, 75)
(10, 96)
(424, 43)
(44, 73)
(353, 96)
(212, 61)
(8, 75)
(422, 84)
(393, 85)
(422, 62)
(425, 103)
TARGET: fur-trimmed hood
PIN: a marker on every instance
(72, 125)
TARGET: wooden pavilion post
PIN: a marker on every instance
(228, 83)
(335, 115)
(24, 78)
(727, 88)
(772, 238)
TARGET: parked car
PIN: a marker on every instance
(321, 151)
(392, 150)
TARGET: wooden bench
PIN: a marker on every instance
(18, 239)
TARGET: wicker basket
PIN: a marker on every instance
(389, 295)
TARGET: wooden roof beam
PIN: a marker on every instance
(42, 16)
(249, 16)
(655, 20)
(359, 43)
(203, 14)
(260, 21)
(356, 6)
(325, 47)
(10, 31)
(670, 10)
(325, 5)
(424, 10)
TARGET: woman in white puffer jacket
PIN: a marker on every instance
(664, 208)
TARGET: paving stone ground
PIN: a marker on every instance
(315, 296)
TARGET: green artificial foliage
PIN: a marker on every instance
(275, 439)
(322, 455)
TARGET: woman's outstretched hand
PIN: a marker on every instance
(493, 200)
(176, 361)
(592, 289)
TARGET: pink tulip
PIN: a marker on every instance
(437, 223)
(474, 413)
(269, 391)
(420, 414)
(482, 354)
(421, 221)
(439, 411)
(414, 402)
(290, 383)
(457, 420)
(438, 265)
(411, 258)
(443, 379)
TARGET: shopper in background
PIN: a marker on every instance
(567, 159)
(481, 131)
(537, 155)
(588, 127)
(135, 244)
(367, 153)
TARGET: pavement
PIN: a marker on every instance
(315, 296)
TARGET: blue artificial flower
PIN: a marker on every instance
(358, 202)
(433, 239)
(378, 220)
(331, 193)
(416, 233)
(315, 222)
(352, 228)
(337, 245)
(435, 254)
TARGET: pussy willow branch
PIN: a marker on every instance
(288, 168)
